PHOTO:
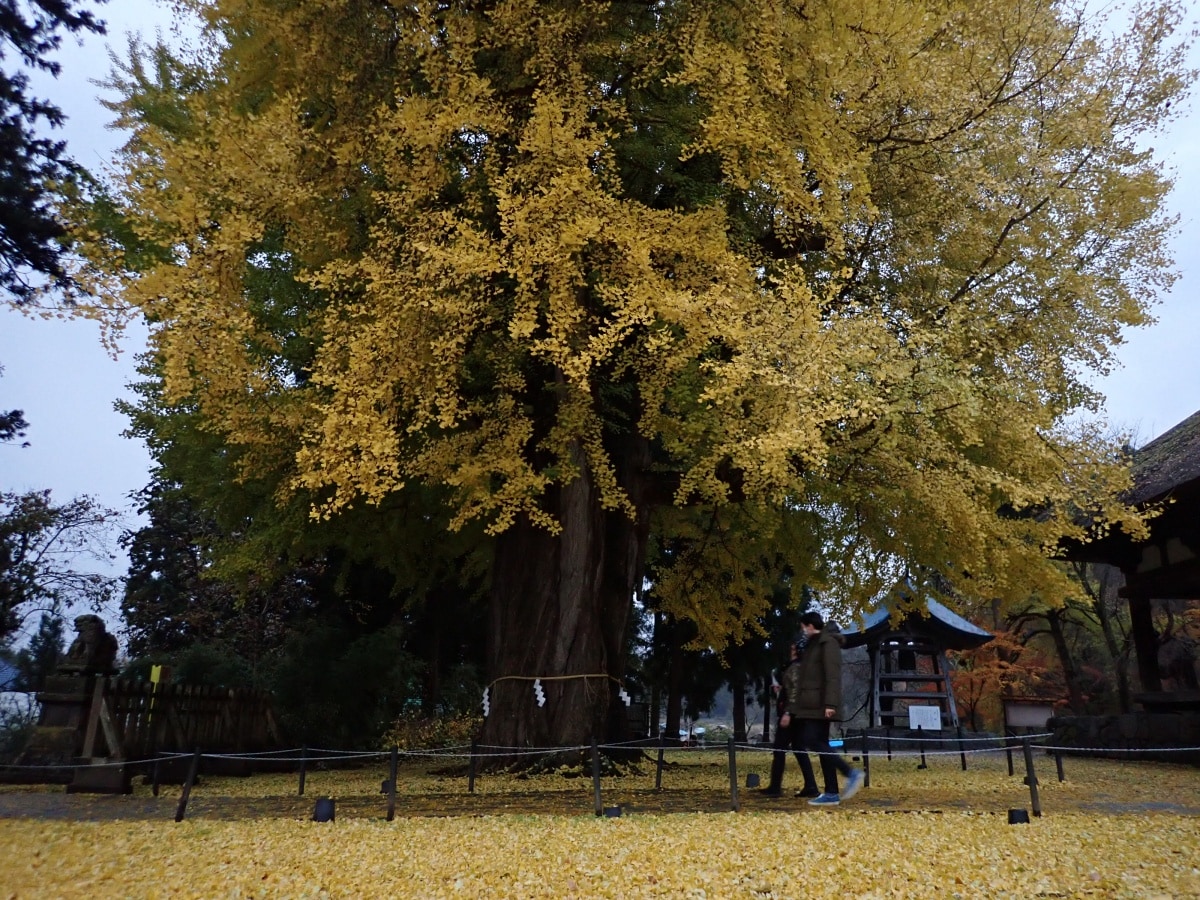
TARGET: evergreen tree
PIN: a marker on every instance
(41, 657)
(32, 164)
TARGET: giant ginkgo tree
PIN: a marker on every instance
(839, 267)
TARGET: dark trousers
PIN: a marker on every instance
(790, 738)
(815, 737)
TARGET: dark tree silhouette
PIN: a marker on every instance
(31, 163)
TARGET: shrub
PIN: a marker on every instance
(412, 731)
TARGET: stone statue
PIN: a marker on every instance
(93, 651)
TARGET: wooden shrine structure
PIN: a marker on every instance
(908, 663)
(1165, 566)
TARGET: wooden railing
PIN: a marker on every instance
(131, 719)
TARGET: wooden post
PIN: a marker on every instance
(187, 786)
(391, 813)
(962, 750)
(733, 785)
(471, 768)
(154, 776)
(1008, 739)
(596, 775)
(662, 749)
(112, 737)
(303, 768)
(1031, 778)
(922, 743)
(93, 721)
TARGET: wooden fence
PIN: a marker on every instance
(130, 719)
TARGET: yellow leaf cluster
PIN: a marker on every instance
(966, 226)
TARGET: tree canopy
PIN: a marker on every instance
(835, 267)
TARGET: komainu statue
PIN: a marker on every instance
(93, 651)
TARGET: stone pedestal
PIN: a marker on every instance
(101, 776)
(58, 739)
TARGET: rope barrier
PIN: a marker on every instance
(939, 740)
(1118, 749)
(489, 751)
(553, 677)
(235, 756)
(95, 765)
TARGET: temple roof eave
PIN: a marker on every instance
(936, 623)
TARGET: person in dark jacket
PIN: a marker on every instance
(787, 738)
(814, 698)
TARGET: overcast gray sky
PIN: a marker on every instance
(57, 372)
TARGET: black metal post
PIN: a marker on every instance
(866, 754)
(733, 785)
(662, 749)
(1031, 778)
(596, 775)
(471, 768)
(962, 750)
(1008, 736)
(922, 743)
(887, 735)
(1058, 765)
(303, 768)
(391, 813)
(154, 777)
(187, 786)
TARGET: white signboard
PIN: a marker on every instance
(925, 718)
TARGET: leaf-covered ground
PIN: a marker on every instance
(1110, 830)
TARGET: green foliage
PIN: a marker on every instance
(336, 686)
(207, 664)
(175, 596)
(41, 657)
(31, 162)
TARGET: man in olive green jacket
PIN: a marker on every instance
(814, 696)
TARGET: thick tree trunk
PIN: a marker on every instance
(675, 689)
(433, 670)
(559, 609)
(737, 684)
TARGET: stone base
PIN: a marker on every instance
(99, 776)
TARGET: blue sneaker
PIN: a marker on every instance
(853, 784)
(825, 800)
